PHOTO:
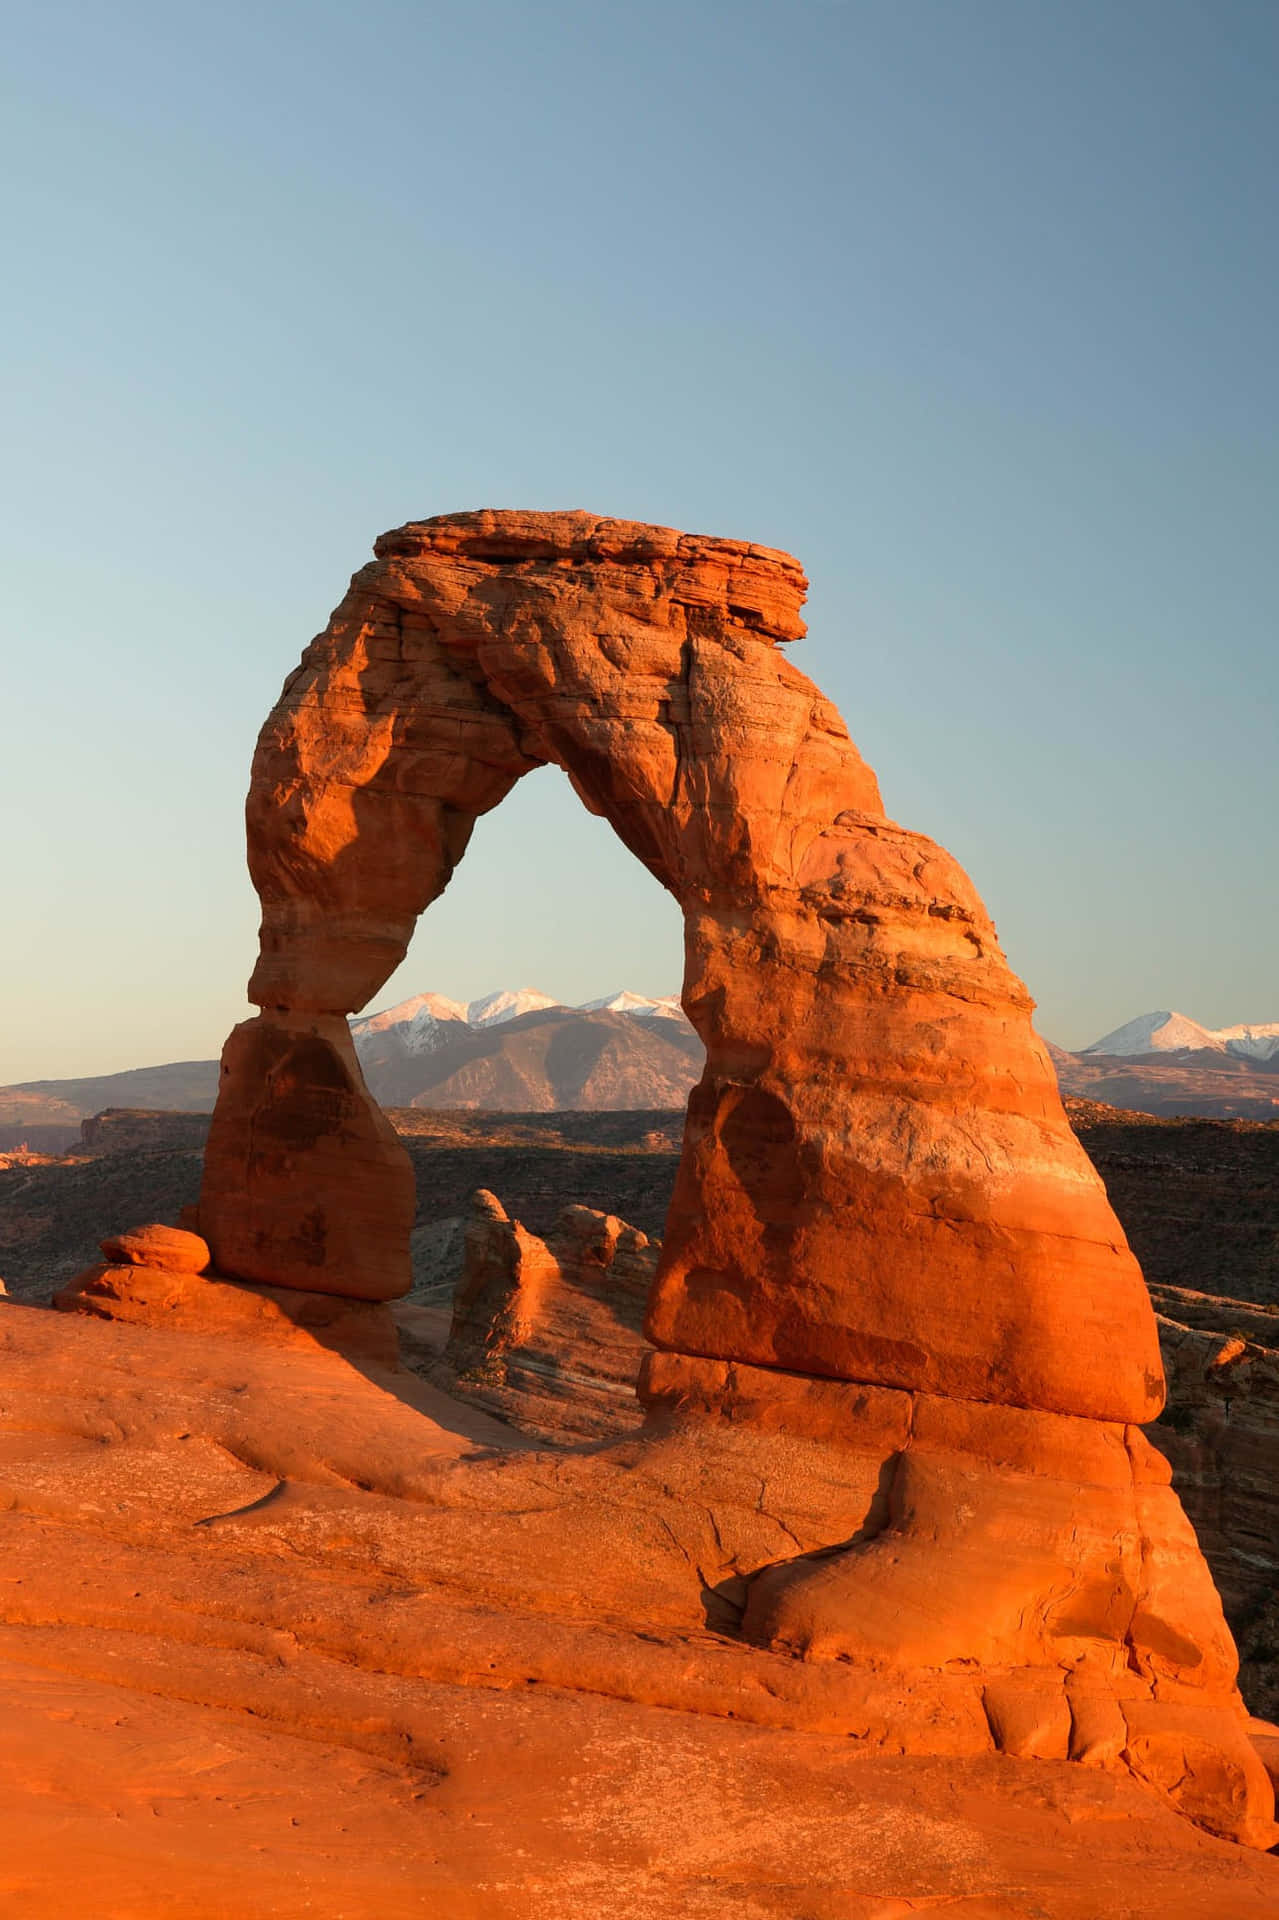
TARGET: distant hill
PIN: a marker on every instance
(520, 1051)
(46, 1114)
(1167, 1064)
(1156, 1033)
(517, 1050)
(554, 1059)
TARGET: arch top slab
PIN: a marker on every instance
(759, 587)
(878, 1182)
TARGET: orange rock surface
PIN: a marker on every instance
(283, 1635)
(892, 1477)
(305, 1182)
(205, 1303)
(172, 1248)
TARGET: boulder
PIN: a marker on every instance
(173, 1248)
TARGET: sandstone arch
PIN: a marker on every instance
(878, 1183)
(892, 1291)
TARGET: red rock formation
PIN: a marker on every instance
(305, 1182)
(173, 1248)
(878, 1184)
(362, 1330)
(878, 1180)
(546, 1333)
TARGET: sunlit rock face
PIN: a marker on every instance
(878, 1181)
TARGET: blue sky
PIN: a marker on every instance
(971, 304)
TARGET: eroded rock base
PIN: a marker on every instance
(268, 1504)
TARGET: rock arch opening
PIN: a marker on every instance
(548, 912)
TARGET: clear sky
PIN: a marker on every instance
(972, 304)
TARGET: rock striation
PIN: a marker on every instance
(547, 1333)
(425, 1674)
(1219, 1430)
(884, 1238)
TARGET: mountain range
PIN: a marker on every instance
(1175, 1033)
(517, 1050)
(1164, 1063)
(521, 1051)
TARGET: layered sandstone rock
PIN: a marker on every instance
(176, 1249)
(305, 1182)
(276, 1639)
(547, 1333)
(884, 1241)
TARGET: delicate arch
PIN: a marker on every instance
(878, 1182)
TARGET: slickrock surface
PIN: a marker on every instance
(158, 1276)
(885, 1243)
(205, 1303)
(547, 1333)
(280, 1636)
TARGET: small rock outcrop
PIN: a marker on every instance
(176, 1249)
(158, 1276)
(548, 1333)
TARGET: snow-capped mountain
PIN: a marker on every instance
(429, 1017)
(639, 1004)
(1251, 1043)
(521, 1050)
(430, 1021)
(1174, 1032)
(508, 1003)
(416, 1022)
